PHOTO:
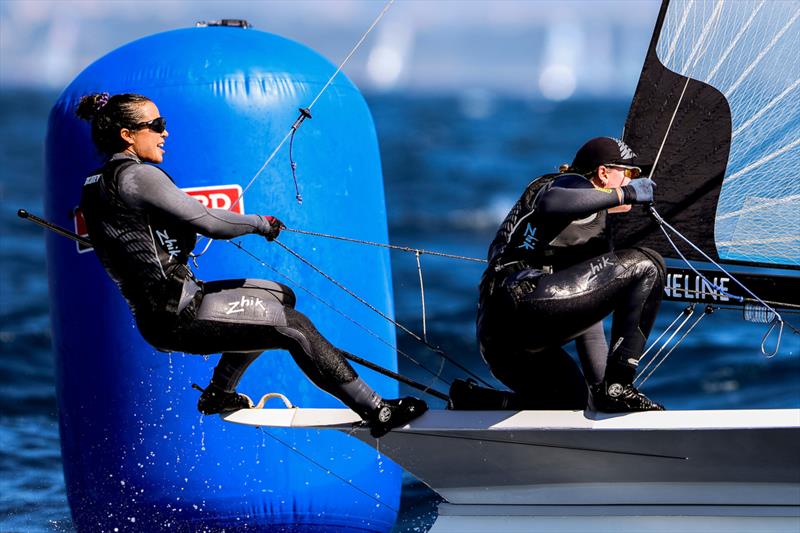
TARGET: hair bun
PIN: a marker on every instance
(90, 105)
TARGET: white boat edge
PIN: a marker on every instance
(443, 420)
(718, 470)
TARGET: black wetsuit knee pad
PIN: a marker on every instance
(655, 258)
(645, 257)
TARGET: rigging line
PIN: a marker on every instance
(318, 96)
(707, 311)
(689, 315)
(669, 127)
(778, 318)
(353, 51)
(430, 346)
(384, 245)
(425, 321)
(304, 113)
(422, 297)
(786, 305)
(328, 470)
(322, 300)
(685, 311)
(664, 223)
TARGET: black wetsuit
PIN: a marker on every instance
(552, 277)
(143, 229)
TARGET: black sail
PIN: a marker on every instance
(718, 110)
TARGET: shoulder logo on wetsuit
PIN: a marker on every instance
(529, 239)
(92, 179)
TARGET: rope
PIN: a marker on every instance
(708, 311)
(383, 245)
(328, 470)
(330, 306)
(689, 311)
(688, 308)
(664, 224)
(430, 346)
(304, 113)
(669, 127)
(422, 297)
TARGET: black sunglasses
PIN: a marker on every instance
(157, 125)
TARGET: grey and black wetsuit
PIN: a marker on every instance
(552, 277)
(143, 229)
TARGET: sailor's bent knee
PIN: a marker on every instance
(646, 262)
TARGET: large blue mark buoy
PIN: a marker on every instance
(137, 455)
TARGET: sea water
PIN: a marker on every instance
(453, 167)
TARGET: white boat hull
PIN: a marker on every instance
(704, 469)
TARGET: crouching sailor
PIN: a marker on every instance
(553, 276)
(143, 229)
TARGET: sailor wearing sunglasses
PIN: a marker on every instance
(553, 276)
(143, 229)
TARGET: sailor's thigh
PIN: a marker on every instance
(566, 303)
(207, 336)
(261, 288)
(238, 301)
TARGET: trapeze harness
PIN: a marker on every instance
(144, 228)
(552, 277)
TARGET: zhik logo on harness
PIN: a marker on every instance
(597, 266)
(529, 240)
(239, 306)
(169, 244)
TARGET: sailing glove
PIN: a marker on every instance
(270, 227)
(639, 191)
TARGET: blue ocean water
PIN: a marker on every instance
(453, 166)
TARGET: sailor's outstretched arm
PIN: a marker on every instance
(574, 196)
(147, 187)
(577, 203)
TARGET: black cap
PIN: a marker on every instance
(603, 151)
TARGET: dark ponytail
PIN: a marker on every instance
(108, 115)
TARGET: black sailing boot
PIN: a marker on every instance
(215, 400)
(616, 393)
(391, 414)
(467, 395)
(608, 397)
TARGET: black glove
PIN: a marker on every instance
(639, 191)
(271, 227)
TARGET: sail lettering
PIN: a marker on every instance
(693, 287)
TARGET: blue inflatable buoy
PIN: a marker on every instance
(137, 455)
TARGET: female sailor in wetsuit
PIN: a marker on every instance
(553, 276)
(143, 229)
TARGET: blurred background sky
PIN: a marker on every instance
(535, 49)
